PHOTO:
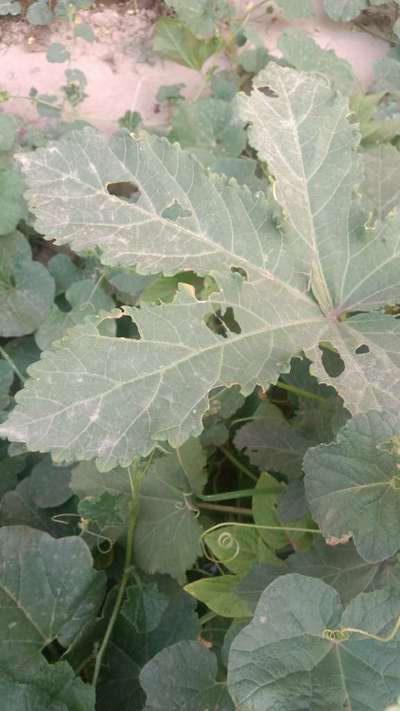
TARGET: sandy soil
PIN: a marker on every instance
(121, 69)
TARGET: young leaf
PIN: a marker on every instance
(183, 678)
(57, 53)
(285, 658)
(85, 31)
(238, 548)
(201, 16)
(219, 594)
(39, 574)
(208, 129)
(175, 42)
(353, 485)
(169, 92)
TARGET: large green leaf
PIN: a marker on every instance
(167, 531)
(48, 590)
(66, 405)
(167, 534)
(130, 649)
(183, 678)
(44, 686)
(302, 52)
(338, 566)
(285, 660)
(353, 485)
(208, 129)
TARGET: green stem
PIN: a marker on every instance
(241, 494)
(35, 100)
(238, 464)
(207, 617)
(225, 509)
(300, 392)
(134, 504)
(12, 364)
(245, 18)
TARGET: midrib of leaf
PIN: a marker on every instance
(283, 118)
(17, 604)
(359, 487)
(225, 343)
(318, 283)
(153, 216)
(342, 678)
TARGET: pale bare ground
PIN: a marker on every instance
(122, 71)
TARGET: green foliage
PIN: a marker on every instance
(293, 9)
(199, 381)
(57, 53)
(353, 485)
(10, 7)
(174, 41)
(188, 680)
(345, 10)
(291, 652)
(201, 16)
(303, 53)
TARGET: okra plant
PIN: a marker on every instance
(200, 386)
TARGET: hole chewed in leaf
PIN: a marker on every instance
(331, 360)
(175, 210)
(124, 190)
(241, 271)
(361, 349)
(222, 323)
(267, 91)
